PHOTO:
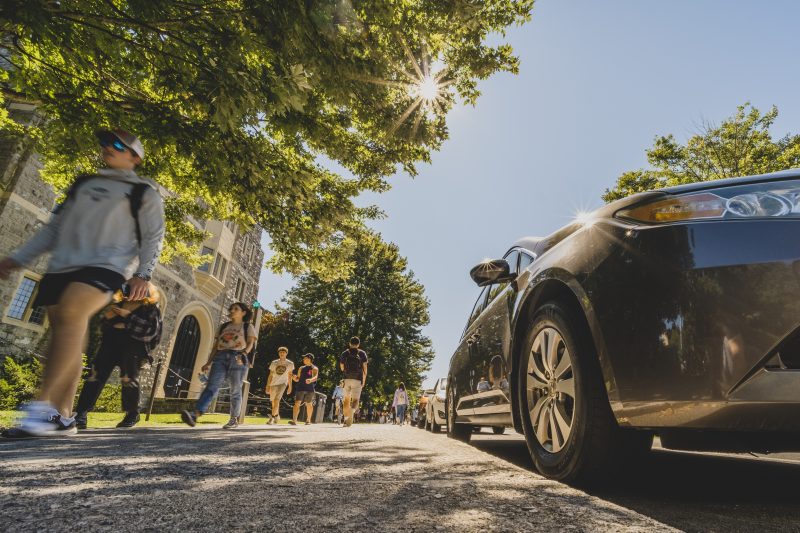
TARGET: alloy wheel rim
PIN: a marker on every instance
(550, 390)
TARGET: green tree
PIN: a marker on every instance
(741, 145)
(237, 99)
(381, 302)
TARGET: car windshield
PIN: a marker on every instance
(442, 384)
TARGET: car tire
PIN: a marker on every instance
(574, 439)
(436, 428)
(461, 432)
(498, 430)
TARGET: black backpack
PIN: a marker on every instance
(353, 366)
(134, 197)
(151, 339)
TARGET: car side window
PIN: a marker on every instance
(524, 261)
(477, 308)
(511, 257)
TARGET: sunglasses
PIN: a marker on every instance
(114, 143)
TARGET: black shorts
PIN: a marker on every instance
(52, 285)
(304, 396)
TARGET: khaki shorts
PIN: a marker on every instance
(352, 389)
(276, 391)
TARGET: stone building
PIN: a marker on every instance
(195, 299)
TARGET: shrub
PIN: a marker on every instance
(18, 381)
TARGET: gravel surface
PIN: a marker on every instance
(320, 477)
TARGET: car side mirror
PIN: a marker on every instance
(494, 271)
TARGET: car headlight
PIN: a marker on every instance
(768, 200)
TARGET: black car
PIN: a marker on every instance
(673, 312)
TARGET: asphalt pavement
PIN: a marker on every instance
(703, 492)
(277, 478)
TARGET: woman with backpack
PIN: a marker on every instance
(131, 330)
(400, 403)
(228, 362)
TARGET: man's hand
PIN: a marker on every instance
(7, 266)
(138, 288)
(206, 367)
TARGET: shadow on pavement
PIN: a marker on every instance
(693, 492)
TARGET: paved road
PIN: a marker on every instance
(320, 478)
(693, 491)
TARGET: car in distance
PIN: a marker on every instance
(673, 312)
(435, 414)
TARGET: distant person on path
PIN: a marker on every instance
(336, 398)
(353, 362)
(400, 403)
(131, 330)
(228, 362)
(107, 231)
(306, 378)
(278, 382)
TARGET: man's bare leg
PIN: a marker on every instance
(346, 407)
(69, 320)
(296, 410)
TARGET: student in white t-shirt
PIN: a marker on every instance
(278, 382)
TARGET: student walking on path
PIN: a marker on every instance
(279, 382)
(353, 362)
(131, 330)
(108, 231)
(306, 379)
(400, 403)
(228, 362)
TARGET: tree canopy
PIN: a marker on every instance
(741, 145)
(380, 302)
(236, 100)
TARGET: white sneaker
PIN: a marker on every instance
(55, 426)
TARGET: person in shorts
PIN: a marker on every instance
(353, 362)
(278, 382)
(97, 242)
(306, 379)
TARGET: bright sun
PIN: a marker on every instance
(427, 88)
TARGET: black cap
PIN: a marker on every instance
(355, 340)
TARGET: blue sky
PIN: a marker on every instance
(598, 81)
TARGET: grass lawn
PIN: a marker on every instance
(109, 420)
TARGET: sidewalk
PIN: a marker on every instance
(320, 477)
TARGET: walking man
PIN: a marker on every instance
(353, 362)
(306, 379)
(278, 382)
(107, 232)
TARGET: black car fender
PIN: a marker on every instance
(560, 285)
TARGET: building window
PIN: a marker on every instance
(240, 286)
(206, 251)
(217, 262)
(220, 266)
(223, 269)
(21, 309)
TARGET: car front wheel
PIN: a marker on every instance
(569, 428)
